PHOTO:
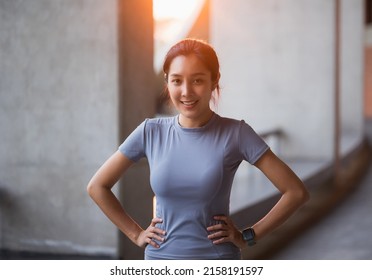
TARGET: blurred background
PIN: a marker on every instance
(77, 76)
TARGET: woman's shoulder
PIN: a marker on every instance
(236, 126)
(159, 122)
(231, 122)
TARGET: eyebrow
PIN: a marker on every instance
(195, 74)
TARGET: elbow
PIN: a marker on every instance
(299, 195)
(95, 189)
(91, 189)
(303, 196)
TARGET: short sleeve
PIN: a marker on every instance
(251, 145)
(134, 146)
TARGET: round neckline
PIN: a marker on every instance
(194, 129)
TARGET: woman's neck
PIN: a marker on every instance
(186, 122)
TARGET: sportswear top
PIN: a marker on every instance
(191, 174)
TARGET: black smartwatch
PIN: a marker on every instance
(248, 236)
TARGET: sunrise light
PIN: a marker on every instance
(173, 20)
(174, 9)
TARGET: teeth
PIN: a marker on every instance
(188, 102)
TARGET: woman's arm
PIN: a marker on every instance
(294, 194)
(99, 189)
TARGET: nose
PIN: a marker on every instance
(186, 89)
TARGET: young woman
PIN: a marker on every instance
(193, 158)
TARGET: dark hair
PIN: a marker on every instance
(202, 50)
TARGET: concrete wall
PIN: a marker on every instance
(277, 64)
(58, 122)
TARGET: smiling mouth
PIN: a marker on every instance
(188, 103)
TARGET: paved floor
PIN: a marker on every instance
(345, 234)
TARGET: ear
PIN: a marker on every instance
(215, 83)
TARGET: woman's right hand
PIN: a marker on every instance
(152, 232)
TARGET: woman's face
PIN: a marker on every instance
(190, 88)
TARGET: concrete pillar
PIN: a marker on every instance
(352, 72)
(368, 73)
(58, 123)
(136, 102)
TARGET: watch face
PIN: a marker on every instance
(248, 235)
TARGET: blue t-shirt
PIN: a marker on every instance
(191, 174)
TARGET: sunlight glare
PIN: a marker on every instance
(176, 9)
(173, 20)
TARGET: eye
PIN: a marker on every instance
(198, 81)
(176, 81)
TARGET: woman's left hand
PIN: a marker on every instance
(226, 231)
